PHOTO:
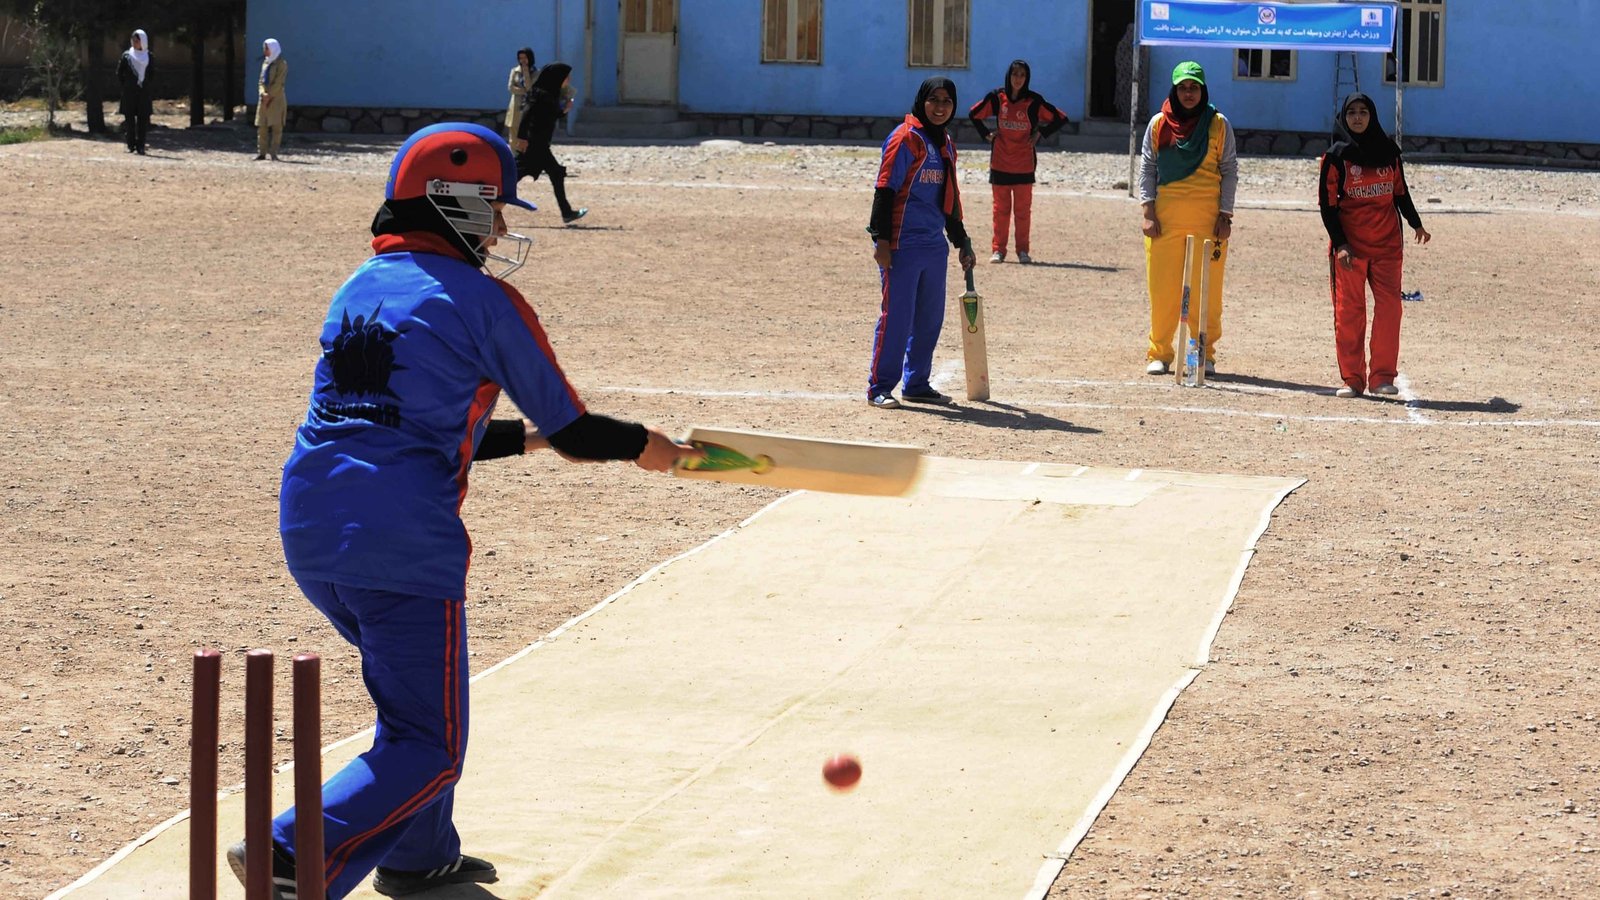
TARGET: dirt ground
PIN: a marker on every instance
(1402, 702)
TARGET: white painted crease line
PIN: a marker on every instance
(1413, 410)
(1032, 468)
(946, 375)
(1197, 410)
(1078, 471)
(1133, 475)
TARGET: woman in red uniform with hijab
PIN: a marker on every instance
(1362, 194)
(1021, 117)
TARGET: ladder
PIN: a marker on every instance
(1346, 79)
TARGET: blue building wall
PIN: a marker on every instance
(864, 47)
(1512, 71)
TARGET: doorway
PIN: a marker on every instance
(647, 70)
(1110, 58)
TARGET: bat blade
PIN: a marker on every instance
(800, 463)
(974, 343)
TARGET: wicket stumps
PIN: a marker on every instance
(258, 721)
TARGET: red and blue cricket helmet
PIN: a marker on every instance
(456, 153)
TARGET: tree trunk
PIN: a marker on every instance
(93, 81)
(229, 65)
(197, 73)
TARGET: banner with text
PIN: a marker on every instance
(1280, 26)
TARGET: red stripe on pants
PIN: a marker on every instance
(1358, 368)
(1009, 198)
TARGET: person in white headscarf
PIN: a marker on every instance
(272, 109)
(133, 73)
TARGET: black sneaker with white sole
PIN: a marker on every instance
(928, 396)
(283, 887)
(465, 870)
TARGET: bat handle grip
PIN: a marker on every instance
(966, 247)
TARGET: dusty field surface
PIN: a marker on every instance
(1402, 703)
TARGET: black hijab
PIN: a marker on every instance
(551, 77)
(934, 132)
(1027, 80)
(1371, 148)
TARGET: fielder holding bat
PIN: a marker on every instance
(916, 203)
(1362, 194)
(1188, 175)
(415, 351)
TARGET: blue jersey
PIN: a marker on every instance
(415, 349)
(917, 172)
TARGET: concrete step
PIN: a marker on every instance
(646, 131)
(1102, 127)
(1089, 143)
(628, 115)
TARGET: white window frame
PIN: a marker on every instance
(936, 40)
(792, 39)
(1266, 65)
(1414, 11)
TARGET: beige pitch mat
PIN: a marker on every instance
(997, 648)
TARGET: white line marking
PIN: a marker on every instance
(946, 376)
(1032, 468)
(1403, 384)
(1078, 471)
(1197, 410)
(1134, 475)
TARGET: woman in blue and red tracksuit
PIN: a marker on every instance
(915, 204)
(1022, 117)
(1362, 194)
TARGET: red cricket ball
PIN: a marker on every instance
(842, 772)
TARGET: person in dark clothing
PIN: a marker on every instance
(1022, 118)
(1362, 196)
(548, 102)
(133, 73)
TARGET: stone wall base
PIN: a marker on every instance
(346, 120)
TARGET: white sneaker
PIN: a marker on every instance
(1023, 257)
(997, 257)
(1211, 367)
(1388, 390)
(1156, 367)
(1345, 392)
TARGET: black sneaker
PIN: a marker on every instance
(283, 887)
(466, 869)
(575, 215)
(928, 396)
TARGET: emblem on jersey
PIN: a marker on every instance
(362, 357)
(1355, 171)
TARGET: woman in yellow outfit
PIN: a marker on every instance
(1188, 175)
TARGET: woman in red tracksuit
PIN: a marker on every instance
(1022, 117)
(1363, 185)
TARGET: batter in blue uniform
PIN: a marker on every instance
(915, 205)
(415, 350)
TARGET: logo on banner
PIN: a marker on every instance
(1372, 17)
(1160, 12)
(1266, 15)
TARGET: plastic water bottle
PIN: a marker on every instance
(1191, 362)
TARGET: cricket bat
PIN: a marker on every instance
(1198, 378)
(1181, 352)
(973, 347)
(802, 464)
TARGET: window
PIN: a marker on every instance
(937, 33)
(1421, 38)
(1266, 65)
(791, 31)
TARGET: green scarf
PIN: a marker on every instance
(1179, 159)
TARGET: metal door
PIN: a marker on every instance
(648, 64)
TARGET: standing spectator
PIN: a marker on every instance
(1126, 48)
(518, 84)
(548, 102)
(133, 73)
(1022, 118)
(916, 203)
(416, 348)
(272, 109)
(1188, 175)
(1362, 187)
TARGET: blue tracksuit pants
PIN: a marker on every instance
(392, 805)
(909, 319)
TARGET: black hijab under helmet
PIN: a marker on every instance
(935, 132)
(1372, 147)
